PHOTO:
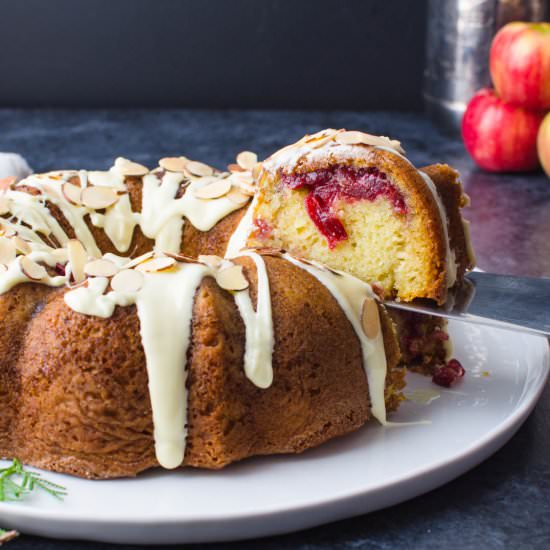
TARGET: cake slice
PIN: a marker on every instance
(354, 202)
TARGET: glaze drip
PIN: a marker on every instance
(259, 327)
(350, 293)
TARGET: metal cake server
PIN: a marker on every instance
(502, 301)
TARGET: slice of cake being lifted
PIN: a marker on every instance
(354, 202)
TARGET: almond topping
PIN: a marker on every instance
(199, 168)
(247, 160)
(244, 181)
(7, 231)
(31, 269)
(210, 260)
(232, 278)
(22, 246)
(213, 190)
(127, 280)
(3, 268)
(349, 138)
(128, 168)
(77, 260)
(100, 268)
(139, 259)
(276, 252)
(181, 258)
(234, 168)
(237, 196)
(72, 192)
(173, 164)
(370, 318)
(7, 250)
(99, 197)
(354, 137)
(156, 264)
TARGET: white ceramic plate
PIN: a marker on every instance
(371, 469)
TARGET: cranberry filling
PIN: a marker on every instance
(341, 182)
(448, 374)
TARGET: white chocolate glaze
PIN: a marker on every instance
(14, 275)
(238, 239)
(260, 339)
(161, 219)
(165, 310)
(350, 293)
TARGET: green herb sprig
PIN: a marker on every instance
(16, 483)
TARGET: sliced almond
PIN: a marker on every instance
(244, 178)
(247, 160)
(370, 318)
(7, 231)
(128, 168)
(174, 164)
(6, 183)
(156, 264)
(3, 268)
(100, 268)
(317, 144)
(31, 269)
(127, 280)
(77, 260)
(237, 196)
(210, 260)
(198, 168)
(244, 182)
(214, 190)
(181, 258)
(7, 250)
(4, 204)
(276, 252)
(234, 168)
(232, 278)
(349, 138)
(72, 192)
(139, 259)
(21, 245)
(321, 134)
(354, 137)
(99, 197)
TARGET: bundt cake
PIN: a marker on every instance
(354, 202)
(146, 323)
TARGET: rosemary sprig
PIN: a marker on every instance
(16, 483)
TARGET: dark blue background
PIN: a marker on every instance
(346, 54)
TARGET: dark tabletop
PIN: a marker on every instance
(504, 502)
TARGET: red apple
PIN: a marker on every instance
(500, 137)
(520, 64)
(543, 144)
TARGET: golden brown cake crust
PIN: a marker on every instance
(449, 187)
(84, 409)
